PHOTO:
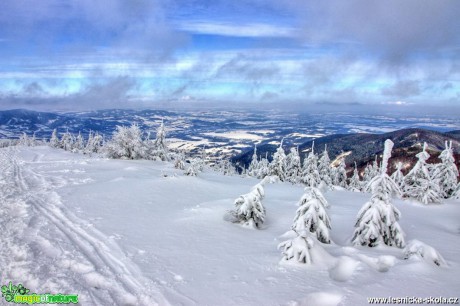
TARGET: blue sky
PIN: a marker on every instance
(88, 54)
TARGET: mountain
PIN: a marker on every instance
(362, 148)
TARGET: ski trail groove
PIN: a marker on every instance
(113, 271)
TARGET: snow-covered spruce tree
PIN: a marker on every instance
(310, 173)
(94, 143)
(355, 184)
(253, 169)
(249, 210)
(419, 184)
(456, 193)
(340, 174)
(79, 144)
(293, 167)
(126, 143)
(225, 167)
(24, 140)
(67, 141)
(298, 248)
(324, 168)
(278, 165)
(446, 172)
(54, 140)
(264, 168)
(159, 149)
(312, 216)
(398, 176)
(378, 219)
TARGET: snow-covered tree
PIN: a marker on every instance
(340, 174)
(456, 193)
(398, 176)
(194, 167)
(446, 172)
(278, 165)
(324, 168)
(24, 140)
(54, 140)
(67, 141)
(378, 219)
(126, 143)
(264, 168)
(416, 248)
(312, 216)
(159, 149)
(94, 143)
(355, 184)
(310, 173)
(249, 209)
(293, 166)
(418, 182)
(253, 169)
(225, 167)
(179, 160)
(79, 144)
(298, 249)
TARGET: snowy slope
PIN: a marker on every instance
(140, 233)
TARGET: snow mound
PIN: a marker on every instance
(319, 299)
(343, 269)
(418, 249)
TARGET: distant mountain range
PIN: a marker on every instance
(233, 133)
(363, 148)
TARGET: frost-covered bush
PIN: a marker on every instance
(126, 143)
(312, 216)
(422, 250)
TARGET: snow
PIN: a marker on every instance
(121, 232)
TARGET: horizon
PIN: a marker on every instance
(356, 56)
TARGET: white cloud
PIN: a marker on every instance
(236, 30)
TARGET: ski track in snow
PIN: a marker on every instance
(32, 212)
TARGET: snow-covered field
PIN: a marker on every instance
(140, 233)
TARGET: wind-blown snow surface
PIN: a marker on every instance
(140, 233)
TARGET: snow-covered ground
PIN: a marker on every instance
(140, 233)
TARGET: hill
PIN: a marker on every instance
(362, 147)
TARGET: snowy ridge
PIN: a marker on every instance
(93, 261)
(139, 232)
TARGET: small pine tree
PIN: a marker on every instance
(312, 216)
(293, 166)
(398, 176)
(419, 183)
(340, 174)
(194, 167)
(298, 249)
(253, 169)
(54, 140)
(264, 168)
(249, 210)
(159, 149)
(378, 219)
(446, 172)
(355, 184)
(67, 141)
(324, 168)
(79, 144)
(24, 140)
(310, 173)
(278, 165)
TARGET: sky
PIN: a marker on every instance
(95, 54)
